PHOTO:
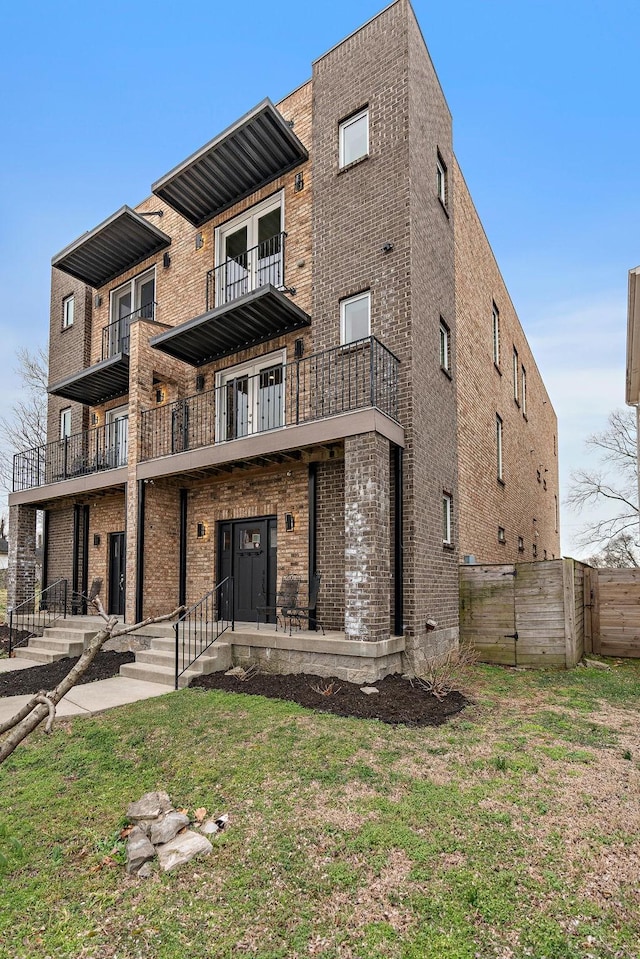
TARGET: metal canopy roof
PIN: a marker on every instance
(253, 318)
(256, 149)
(100, 382)
(117, 244)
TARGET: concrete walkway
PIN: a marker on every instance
(88, 699)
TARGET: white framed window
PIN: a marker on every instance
(496, 334)
(441, 180)
(250, 397)
(499, 464)
(354, 138)
(65, 423)
(524, 391)
(134, 299)
(355, 318)
(250, 251)
(447, 508)
(516, 375)
(68, 309)
(445, 346)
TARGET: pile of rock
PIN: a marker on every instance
(158, 829)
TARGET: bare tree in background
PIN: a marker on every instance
(613, 484)
(26, 424)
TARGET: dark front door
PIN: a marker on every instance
(117, 561)
(247, 551)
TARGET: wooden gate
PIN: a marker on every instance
(612, 612)
(524, 615)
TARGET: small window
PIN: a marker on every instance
(520, 544)
(496, 335)
(499, 449)
(524, 391)
(502, 536)
(534, 550)
(355, 318)
(68, 306)
(445, 346)
(516, 377)
(441, 180)
(354, 138)
(65, 422)
(447, 503)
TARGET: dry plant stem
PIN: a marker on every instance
(42, 706)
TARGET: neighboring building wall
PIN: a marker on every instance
(525, 504)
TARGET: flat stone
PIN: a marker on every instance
(150, 806)
(139, 850)
(210, 827)
(145, 871)
(163, 830)
(595, 664)
(182, 849)
(369, 690)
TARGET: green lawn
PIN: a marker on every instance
(513, 831)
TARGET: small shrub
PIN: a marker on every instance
(443, 676)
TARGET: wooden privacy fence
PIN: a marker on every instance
(549, 613)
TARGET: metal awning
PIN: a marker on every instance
(251, 319)
(117, 244)
(96, 384)
(256, 149)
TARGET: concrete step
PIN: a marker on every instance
(65, 634)
(159, 630)
(41, 655)
(158, 666)
(48, 644)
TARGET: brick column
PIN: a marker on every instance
(21, 579)
(367, 537)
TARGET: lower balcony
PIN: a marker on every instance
(272, 396)
(92, 451)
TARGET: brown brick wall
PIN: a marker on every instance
(69, 349)
(330, 542)
(59, 544)
(21, 574)
(106, 516)
(522, 505)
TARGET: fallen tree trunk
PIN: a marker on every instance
(43, 705)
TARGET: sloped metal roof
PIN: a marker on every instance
(122, 240)
(253, 318)
(96, 384)
(254, 150)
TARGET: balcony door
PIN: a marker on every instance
(117, 436)
(134, 299)
(249, 252)
(250, 398)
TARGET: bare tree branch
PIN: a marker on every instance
(26, 425)
(42, 705)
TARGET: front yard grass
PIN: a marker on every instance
(513, 831)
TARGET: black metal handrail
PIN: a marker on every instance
(339, 380)
(35, 614)
(198, 629)
(91, 451)
(115, 336)
(247, 271)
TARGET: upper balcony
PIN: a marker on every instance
(250, 153)
(72, 457)
(268, 396)
(245, 302)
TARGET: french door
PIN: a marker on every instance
(250, 252)
(250, 398)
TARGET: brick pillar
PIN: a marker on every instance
(21, 579)
(367, 537)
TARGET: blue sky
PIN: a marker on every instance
(100, 99)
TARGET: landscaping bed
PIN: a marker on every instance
(25, 682)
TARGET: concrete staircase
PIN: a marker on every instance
(157, 664)
(67, 638)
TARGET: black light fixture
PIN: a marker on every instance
(298, 183)
(199, 241)
(199, 382)
(96, 539)
(98, 300)
(166, 261)
(289, 522)
(159, 396)
(387, 248)
(298, 348)
(201, 530)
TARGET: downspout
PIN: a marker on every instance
(182, 583)
(398, 559)
(140, 550)
(313, 526)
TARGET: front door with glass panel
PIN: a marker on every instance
(247, 550)
(250, 398)
(250, 252)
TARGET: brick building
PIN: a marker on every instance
(296, 356)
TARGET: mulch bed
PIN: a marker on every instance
(397, 701)
(26, 682)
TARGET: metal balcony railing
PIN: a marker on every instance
(115, 336)
(247, 271)
(339, 380)
(92, 451)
